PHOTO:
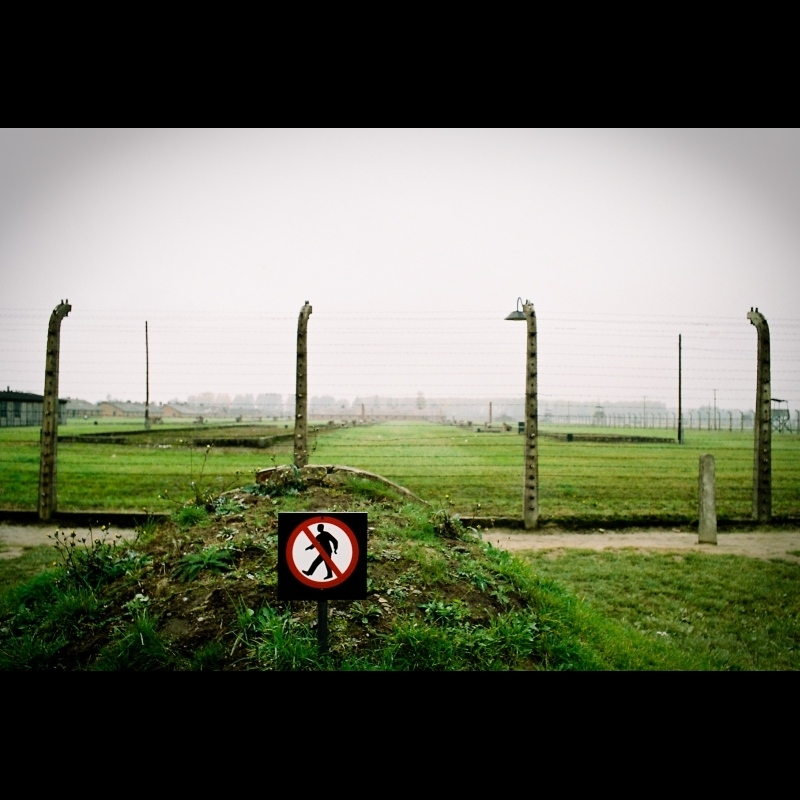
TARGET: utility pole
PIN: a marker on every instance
(715, 409)
(48, 496)
(147, 380)
(762, 424)
(301, 396)
(680, 395)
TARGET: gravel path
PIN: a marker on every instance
(766, 544)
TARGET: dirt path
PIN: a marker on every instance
(766, 545)
(14, 538)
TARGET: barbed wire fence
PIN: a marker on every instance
(455, 363)
(460, 368)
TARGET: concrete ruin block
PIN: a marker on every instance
(337, 478)
(314, 476)
(707, 525)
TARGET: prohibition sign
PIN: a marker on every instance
(322, 552)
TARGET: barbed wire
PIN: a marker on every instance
(610, 358)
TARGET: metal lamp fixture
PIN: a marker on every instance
(517, 313)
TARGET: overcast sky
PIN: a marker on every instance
(411, 245)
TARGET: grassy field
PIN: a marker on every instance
(592, 481)
(199, 593)
(153, 471)
(452, 603)
(473, 473)
(716, 612)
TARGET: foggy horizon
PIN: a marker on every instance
(589, 360)
(412, 246)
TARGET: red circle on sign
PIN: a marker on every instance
(303, 528)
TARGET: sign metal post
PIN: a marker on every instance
(322, 556)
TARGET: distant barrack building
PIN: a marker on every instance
(23, 408)
(194, 410)
(81, 409)
(121, 409)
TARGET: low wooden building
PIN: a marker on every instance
(24, 408)
(125, 408)
(81, 409)
(121, 408)
(189, 410)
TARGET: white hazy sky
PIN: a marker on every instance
(411, 245)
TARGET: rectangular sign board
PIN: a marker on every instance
(322, 555)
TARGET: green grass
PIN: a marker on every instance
(581, 482)
(438, 598)
(137, 646)
(587, 481)
(33, 560)
(713, 612)
(216, 559)
(126, 477)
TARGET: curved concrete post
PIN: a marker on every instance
(301, 395)
(762, 424)
(48, 495)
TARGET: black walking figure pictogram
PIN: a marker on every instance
(328, 543)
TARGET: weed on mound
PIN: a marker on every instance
(200, 593)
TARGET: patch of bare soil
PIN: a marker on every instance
(767, 545)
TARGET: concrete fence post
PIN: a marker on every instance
(301, 394)
(707, 525)
(762, 423)
(530, 485)
(48, 462)
(531, 482)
